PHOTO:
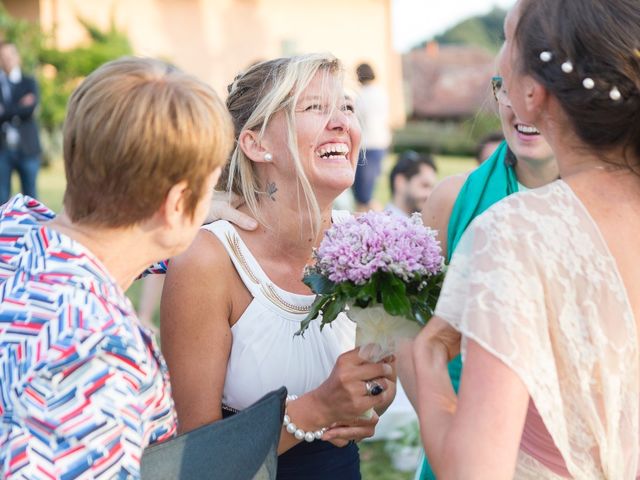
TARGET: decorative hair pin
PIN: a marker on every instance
(615, 94)
(546, 56)
(567, 67)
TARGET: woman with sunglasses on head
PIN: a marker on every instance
(523, 161)
(233, 302)
(544, 287)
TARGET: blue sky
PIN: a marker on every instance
(415, 20)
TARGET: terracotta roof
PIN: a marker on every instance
(447, 81)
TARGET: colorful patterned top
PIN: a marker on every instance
(83, 388)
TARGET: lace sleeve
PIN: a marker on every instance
(534, 284)
(491, 292)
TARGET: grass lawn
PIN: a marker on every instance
(375, 461)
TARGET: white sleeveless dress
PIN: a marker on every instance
(265, 354)
(533, 282)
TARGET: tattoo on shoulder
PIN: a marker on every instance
(271, 190)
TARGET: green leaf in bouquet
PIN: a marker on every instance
(362, 303)
(369, 291)
(347, 289)
(394, 296)
(318, 283)
(332, 309)
(316, 307)
(421, 312)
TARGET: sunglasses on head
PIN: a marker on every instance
(499, 93)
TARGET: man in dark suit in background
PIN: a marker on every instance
(19, 140)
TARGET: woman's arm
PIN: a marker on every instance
(195, 332)
(202, 295)
(476, 435)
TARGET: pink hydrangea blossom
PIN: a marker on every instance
(357, 248)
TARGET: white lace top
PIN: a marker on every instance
(265, 354)
(534, 283)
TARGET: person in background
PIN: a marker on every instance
(411, 182)
(83, 388)
(544, 286)
(19, 137)
(487, 145)
(372, 106)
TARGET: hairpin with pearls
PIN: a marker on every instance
(587, 82)
(546, 56)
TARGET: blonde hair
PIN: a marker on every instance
(134, 128)
(254, 98)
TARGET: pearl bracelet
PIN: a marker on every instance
(298, 432)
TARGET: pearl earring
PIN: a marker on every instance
(268, 157)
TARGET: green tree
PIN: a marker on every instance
(26, 35)
(482, 30)
(60, 71)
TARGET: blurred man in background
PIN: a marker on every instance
(19, 141)
(411, 181)
(487, 145)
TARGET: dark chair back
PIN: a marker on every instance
(241, 447)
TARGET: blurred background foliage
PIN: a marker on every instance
(482, 31)
(59, 71)
(456, 138)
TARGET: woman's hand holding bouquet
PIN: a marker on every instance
(385, 271)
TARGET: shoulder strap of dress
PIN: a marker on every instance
(245, 263)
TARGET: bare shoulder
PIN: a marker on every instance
(197, 302)
(202, 273)
(440, 203)
(206, 257)
(438, 207)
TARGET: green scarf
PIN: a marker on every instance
(492, 181)
(488, 184)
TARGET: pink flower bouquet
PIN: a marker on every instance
(386, 271)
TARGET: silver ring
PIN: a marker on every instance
(373, 388)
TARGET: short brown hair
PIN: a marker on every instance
(365, 73)
(134, 128)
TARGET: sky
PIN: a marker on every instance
(416, 20)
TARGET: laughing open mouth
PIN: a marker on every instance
(527, 129)
(333, 150)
